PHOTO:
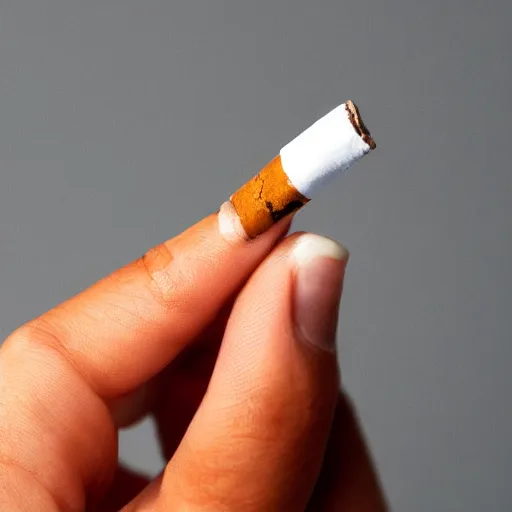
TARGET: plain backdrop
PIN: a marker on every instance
(122, 122)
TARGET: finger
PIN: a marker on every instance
(127, 327)
(175, 393)
(348, 480)
(183, 384)
(258, 438)
(58, 372)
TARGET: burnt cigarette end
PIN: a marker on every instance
(357, 123)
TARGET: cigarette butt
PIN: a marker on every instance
(287, 183)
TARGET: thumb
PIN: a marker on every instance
(258, 439)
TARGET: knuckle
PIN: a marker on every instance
(25, 336)
(266, 418)
(32, 336)
(281, 412)
(160, 266)
(171, 279)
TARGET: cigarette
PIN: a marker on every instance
(326, 149)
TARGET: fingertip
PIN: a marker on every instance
(310, 246)
(232, 230)
(318, 282)
(230, 227)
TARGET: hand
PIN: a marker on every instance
(229, 343)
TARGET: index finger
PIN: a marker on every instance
(130, 325)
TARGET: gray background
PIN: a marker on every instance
(112, 112)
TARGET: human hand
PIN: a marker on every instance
(268, 430)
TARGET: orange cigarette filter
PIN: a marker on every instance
(326, 149)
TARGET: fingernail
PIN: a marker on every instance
(230, 226)
(320, 268)
(231, 229)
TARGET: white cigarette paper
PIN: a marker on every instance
(328, 147)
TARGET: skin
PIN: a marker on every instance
(202, 333)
